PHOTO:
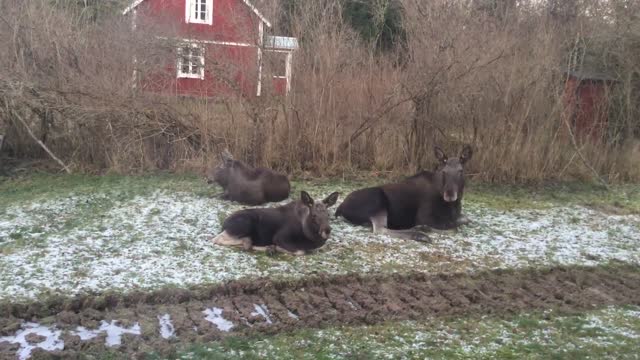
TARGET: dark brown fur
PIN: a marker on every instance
(427, 199)
(248, 185)
(296, 227)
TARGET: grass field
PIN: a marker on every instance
(610, 333)
(82, 234)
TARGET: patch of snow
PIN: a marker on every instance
(114, 332)
(292, 315)
(86, 334)
(166, 327)
(262, 311)
(51, 342)
(214, 316)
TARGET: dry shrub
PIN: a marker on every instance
(487, 75)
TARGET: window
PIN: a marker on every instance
(199, 11)
(191, 61)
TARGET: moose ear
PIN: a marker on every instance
(440, 155)
(226, 155)
(331, 199)
(306, 199)
(466, 154)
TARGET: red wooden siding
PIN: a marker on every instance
(230, 68)
(587, 106)
(233, 21)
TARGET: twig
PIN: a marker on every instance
(584, 160)
(42, 145)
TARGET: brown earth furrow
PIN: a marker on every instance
(322, 301)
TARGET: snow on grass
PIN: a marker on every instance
(93, 242)
(34, 217)
(150, 241)
(50, 342)
(557, 235)
(526, 335)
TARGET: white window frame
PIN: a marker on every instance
(198, 58)
(190, 12)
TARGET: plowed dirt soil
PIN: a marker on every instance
(318, 302)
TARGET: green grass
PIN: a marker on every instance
(38, 186)
(178, 212)
(609, 333)
(46, 186)
(624, 199)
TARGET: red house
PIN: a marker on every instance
(585, 97)
(218, 47)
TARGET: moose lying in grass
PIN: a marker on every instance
(426, 200)
(296, 228)
(247, 185)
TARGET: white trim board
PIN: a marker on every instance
(255, 10)
(213, 42)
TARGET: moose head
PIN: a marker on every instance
(449, 175)
(220, 173)
(315, 215)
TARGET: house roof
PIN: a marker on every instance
(282, 42)
(255, 10)
(591, 76)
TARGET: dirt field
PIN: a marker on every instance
(210, 313)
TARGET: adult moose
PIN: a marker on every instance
(296, 228)
(248, 185)
(427, 199)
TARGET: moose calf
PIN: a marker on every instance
(247, 185)
(426, 199)
(295, 228)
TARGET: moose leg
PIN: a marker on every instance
(285, 242)
(460, 218)
(222, 196)
(463, 220)
(296, 252)
(226, 239)
(379, 224)
(269, 250)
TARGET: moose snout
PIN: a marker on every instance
(450, 195)
(324, 233)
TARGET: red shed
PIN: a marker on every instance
(585, 96)
(218, 47)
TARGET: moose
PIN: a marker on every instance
(247, 185)
(423, 202)
(295, 228)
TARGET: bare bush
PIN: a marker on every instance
(488, 73)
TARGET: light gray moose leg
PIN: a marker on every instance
(379, 224)
(225, 239)
(463, 220)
